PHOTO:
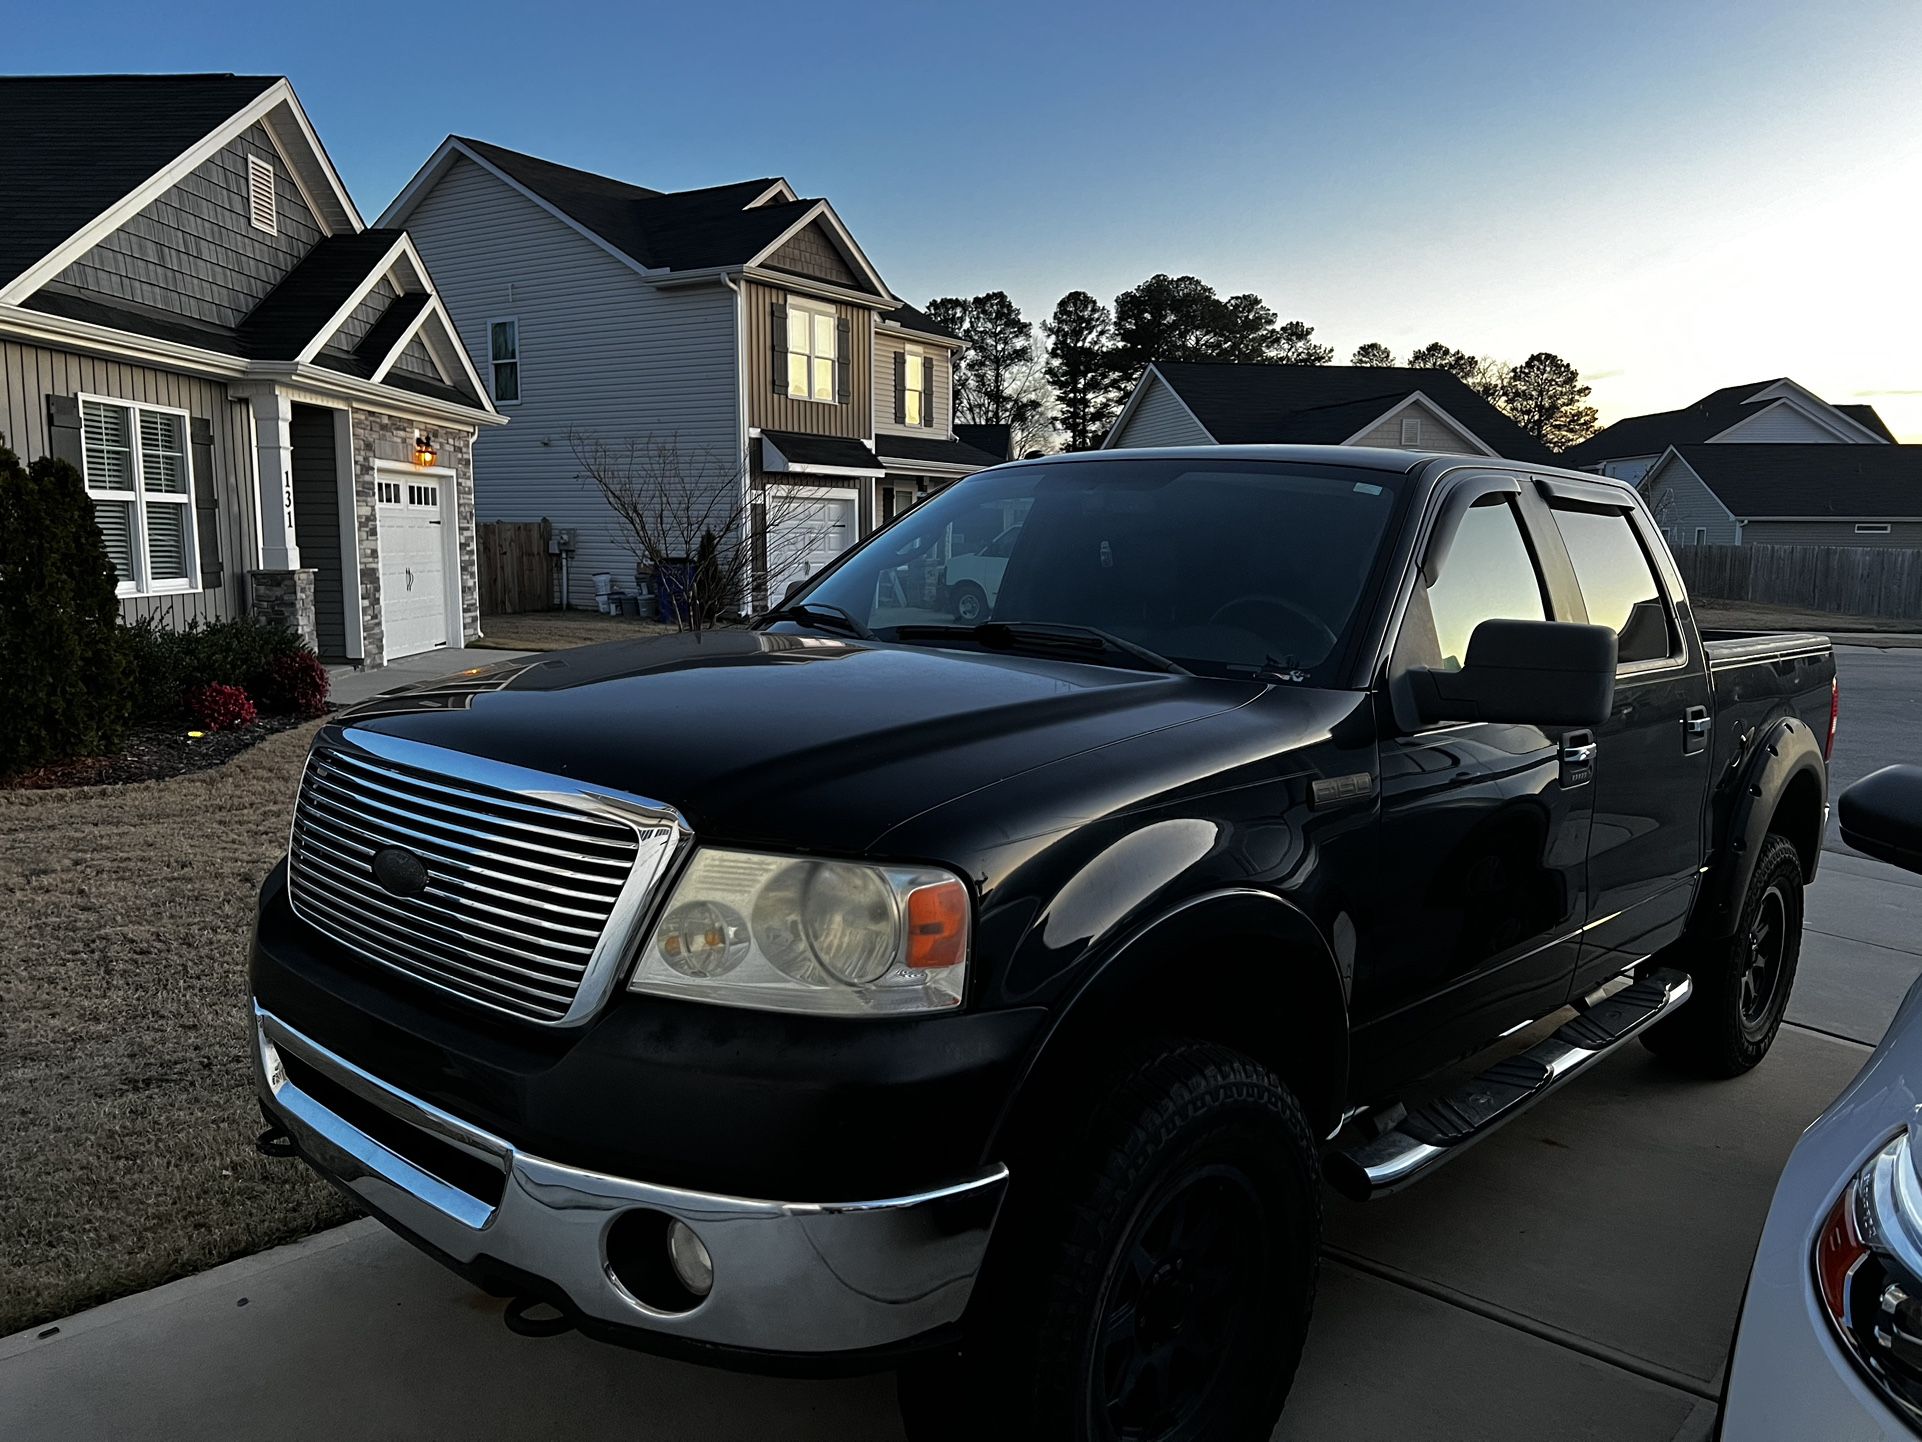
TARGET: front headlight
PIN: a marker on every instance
(785, 933)
(1868, 1272)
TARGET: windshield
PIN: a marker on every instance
(1225, 567)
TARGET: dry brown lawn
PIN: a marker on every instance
(127, 1113)
(558, 630)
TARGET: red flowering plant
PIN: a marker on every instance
(216, 707)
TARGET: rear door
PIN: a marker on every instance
(1652, 763)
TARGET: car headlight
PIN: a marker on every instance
(787, 933)
(1868, 1272)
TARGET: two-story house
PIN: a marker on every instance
(266, 400)
(739, 328)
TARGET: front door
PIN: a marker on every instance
(1478, 894)
(1651, 767)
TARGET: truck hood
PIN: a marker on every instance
(791, 740)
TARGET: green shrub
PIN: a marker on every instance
(63, 674)
(257, 656)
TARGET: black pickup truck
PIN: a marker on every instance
(989, 1000)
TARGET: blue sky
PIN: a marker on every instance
(1673, 196)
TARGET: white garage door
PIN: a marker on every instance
(413, 584)
(803, 535)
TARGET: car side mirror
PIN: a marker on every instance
(1882, 816)
(1533, 673)
(793, 590)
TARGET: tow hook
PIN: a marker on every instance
(520, 1319)
(275, 1142)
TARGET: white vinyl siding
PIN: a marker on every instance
(139, 474)
(1160, 420)
(1783, 424)
(616, 358)
(1432, 432)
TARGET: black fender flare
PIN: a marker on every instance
(1291, 1002)
(1779, 752)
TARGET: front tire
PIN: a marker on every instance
(970, 603)
(1742, 981)
(1172, 1259)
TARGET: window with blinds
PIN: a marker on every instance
(140, 478)
(811, 350)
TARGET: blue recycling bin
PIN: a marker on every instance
(673, 590)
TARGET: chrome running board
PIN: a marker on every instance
(1446, 1127)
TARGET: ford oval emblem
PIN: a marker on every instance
(400, 871)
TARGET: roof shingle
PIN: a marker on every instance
(1817, 482)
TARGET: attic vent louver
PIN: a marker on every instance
(260, 195)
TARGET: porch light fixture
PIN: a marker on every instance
(424, 452)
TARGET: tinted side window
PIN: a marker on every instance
(1489, 576)
(1617, 583)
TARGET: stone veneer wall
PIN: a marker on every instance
(285, 598)
(381, 437)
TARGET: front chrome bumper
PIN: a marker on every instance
(789, 1277)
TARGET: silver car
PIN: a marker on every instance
(1829, 1344)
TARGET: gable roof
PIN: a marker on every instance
(290, 316)
(912, 318)
(72, 145)
(1869, 416)
(1325, 405)
(714, 226)
(1714, 413)
(1815, 481)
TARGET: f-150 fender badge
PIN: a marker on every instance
(1338, 790)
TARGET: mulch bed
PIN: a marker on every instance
(152, 754)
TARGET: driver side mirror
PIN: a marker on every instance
(1532, 673)
(1882, 816)
(793, 590)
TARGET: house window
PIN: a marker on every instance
(261, 212)
(140, 477)
(1873, 528)
(810, 350)
(504, 351)
(419, 494)
(914, 399)
(387, 492)
(1411, 430)
(1701, 535)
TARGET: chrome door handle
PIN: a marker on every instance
(1582, 755)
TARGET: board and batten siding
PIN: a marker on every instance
(30, 373)
(603, 354)
(888, 345)
(317, 522)
(1437, 432)
(853, 418)
(1683, 505)
(1160, 420)
(1907, 534)
(193, 252)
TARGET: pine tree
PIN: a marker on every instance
(1083, 369)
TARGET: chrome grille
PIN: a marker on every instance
(533, 884)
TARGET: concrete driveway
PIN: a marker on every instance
(1576, 1276)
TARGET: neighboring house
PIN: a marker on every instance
(742, 323)
(1724, 494)
(1199, 403)
(267, 401)
(1777, 412)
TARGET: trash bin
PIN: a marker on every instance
(673, 584)
(603, 590)
(631, 605)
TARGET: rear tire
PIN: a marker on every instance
(1742, 980)
(1166, 1270)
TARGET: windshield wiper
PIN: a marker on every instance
(820, 613)
(1044, 638)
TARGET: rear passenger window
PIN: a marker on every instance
(1617, 583)
(1489, 576)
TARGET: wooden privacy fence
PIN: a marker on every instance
(516, 573)
(1845, 580)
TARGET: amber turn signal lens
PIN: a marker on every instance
(938, 924)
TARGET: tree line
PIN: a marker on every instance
(1067, 378)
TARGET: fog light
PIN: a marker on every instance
(692, 1265)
